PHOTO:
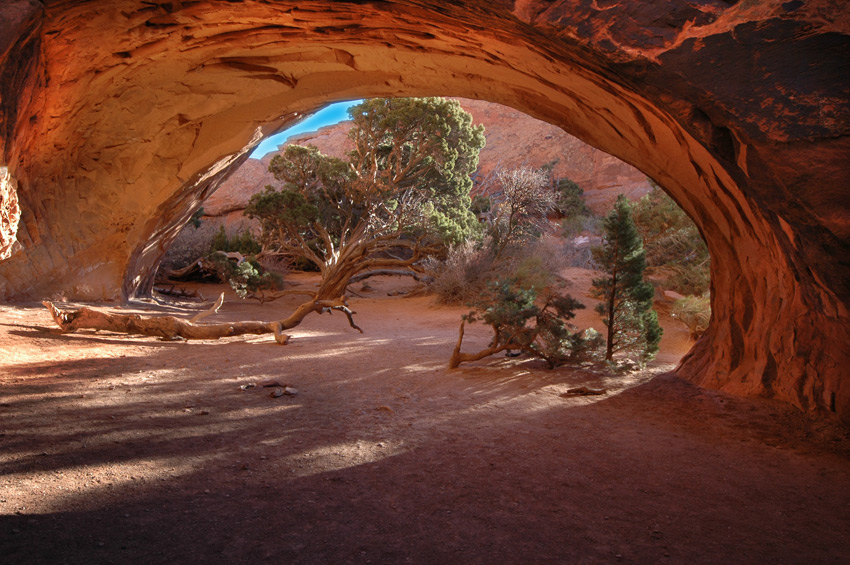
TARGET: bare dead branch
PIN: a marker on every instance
(419, 277)
(200, 316)
(457, 357)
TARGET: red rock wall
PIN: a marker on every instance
(117, 117)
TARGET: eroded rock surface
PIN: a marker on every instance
(10, 213)
(118, 117)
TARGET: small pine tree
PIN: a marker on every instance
(627, 298)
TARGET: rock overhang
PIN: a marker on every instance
(739, 111)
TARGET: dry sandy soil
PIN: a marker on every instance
(122, 449)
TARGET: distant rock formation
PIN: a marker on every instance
(514, 139)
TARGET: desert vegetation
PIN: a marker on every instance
(400, 204)
(626, 296)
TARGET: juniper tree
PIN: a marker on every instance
(402, 194)
(674, 246)
(532, 318)
(626, 307)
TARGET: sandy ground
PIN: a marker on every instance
(123, 449)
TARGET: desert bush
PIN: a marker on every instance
(694, 312)
(689, 280)
(522, 316)
(573, 226)
(579, 255)
(248, 279)
(516, 216)
(241, 242)
(586, 345)
(519, 209)
(195, 220)
(462, 275)
(481, 205)
(570, 199)
(469, 267)
(674, 247)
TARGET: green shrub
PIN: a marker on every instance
(195, 220)
(674, 247)
(248, 278)
(481, 204)
(522, 316)
(242, 242)
(570, 199)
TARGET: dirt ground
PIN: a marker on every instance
(123, 449)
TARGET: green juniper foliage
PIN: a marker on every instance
(195, 220)
(247, 277)
(570, 199)
(402, 194)
(526, 317)
(632, 324)
(242, 242)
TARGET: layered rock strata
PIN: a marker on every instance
(118, 117)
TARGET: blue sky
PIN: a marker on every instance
(332, 114)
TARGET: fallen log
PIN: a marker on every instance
(415, 275)
(203, 267)
(172, 328)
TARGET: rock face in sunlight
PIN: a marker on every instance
(119, 118)
(10, 213)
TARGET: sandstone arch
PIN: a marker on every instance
(119, 117)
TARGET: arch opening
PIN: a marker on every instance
(106, 181)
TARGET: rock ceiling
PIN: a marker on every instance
(119, 117)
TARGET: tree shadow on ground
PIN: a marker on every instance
(151, 452)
